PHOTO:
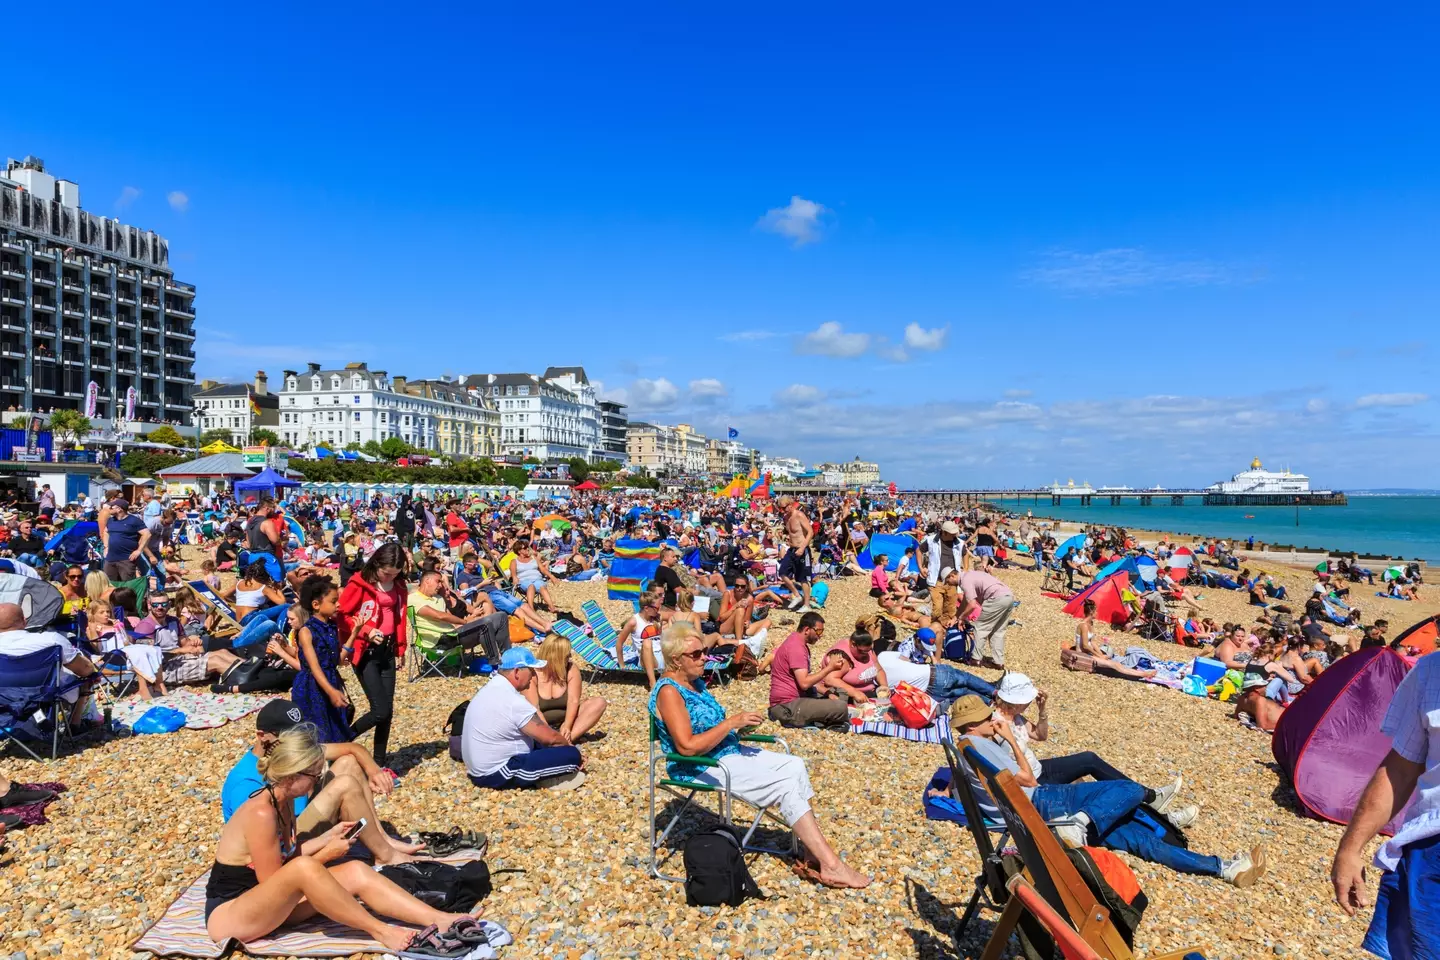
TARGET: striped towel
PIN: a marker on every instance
(180, 931)
(935, 733)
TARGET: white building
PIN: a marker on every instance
(781, 468)
(551, 417)
(335, 408)
(233, 406)
(1259, 480)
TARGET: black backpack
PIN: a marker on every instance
(715, 871)
(455, 724)
(454, 888)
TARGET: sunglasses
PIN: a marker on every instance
(72, 576)
(693, 655)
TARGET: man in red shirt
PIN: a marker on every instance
(799, 698)
(457, 529)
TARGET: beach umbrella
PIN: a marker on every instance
(1393, 573)
(1077, 541)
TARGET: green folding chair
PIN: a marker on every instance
(431, 656)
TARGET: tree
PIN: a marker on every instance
(167, 434)
(579, 469)
(605, 466)
(261, 435)
(393, 448)
(218, 435)
(371, 448)
(352, 447)
(532, 459)
(514, 477)
(146, 463)
(19, 423)
(69, 425)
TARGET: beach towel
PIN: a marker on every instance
(33, 814)
(203, 710)
(937, 732)
(180, 932)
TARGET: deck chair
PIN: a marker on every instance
(1049, 874)
(685, 791)
(1053, 581)
(230, 624)
(30, 683)
(428, 657)
(995, 871)
(595, 654)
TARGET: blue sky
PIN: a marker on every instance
(1120, 244)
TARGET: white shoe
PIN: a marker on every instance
(1166, 795)
(1072, 832)
(564, 781)
(1183, 817)
(1245, 869)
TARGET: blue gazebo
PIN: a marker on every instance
(266, 483)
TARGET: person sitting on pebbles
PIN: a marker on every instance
(346, 791)
(1102, 811)
(506, 742)
(692, 723)
(917, 663)
(265, 876)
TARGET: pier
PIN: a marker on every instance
(1145, 498)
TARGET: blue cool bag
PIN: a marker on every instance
(159, 720)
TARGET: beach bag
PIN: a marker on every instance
(746, 666)
(455, 724)
(454, 888)
(1077, 661)
(159, 720)
(915, 708)
(715, 871)
(1195, 686)
(519, 633)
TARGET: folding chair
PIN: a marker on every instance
(428, 657)
(593, 653)
(990, 881)
(117, 679)
(31, 682)
(211, 601)
(1050, 874)
(685, 791)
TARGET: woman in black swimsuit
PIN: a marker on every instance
(263, 879)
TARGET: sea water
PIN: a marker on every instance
(1397, 526)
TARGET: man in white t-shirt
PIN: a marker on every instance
(921, 669)
(16, 641)
(502, 730)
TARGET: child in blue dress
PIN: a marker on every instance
(318, 690)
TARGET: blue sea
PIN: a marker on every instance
(1397, 526)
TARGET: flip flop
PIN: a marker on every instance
(11, 821)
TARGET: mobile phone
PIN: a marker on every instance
(354, 831)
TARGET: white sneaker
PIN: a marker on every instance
(1072, 832)
(1166, 795)
(1183, 817)
(1245, 869)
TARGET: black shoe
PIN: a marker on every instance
(19, 796)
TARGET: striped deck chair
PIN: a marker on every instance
(604, 637)
(597, 656)
(212, 601)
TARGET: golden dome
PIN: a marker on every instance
(1255, 464)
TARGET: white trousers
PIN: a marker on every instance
(766, 778)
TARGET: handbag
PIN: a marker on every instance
(914, 707)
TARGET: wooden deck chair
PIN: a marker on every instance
(685, 791)
(990, 881)
(229, 624)
(1051, 875)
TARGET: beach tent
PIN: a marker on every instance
(1424, 635)
(266, 483)
(892, 545)
(587, 485)
(1127, 564)
(635, 562)
(1109, 597)
(1077, 541)
(1329, 742)
(1146, 569)
(219, 446)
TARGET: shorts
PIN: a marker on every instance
(795, 566)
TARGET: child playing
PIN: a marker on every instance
(318, 690)
(108, 635)
(209, 575)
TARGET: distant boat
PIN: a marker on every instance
(1249, 516)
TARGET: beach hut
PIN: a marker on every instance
(1328, 741)
(1109, 597)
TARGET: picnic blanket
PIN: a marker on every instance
(935, 733)
(33, 814)
(203, 710)
(1170, 673)
(180, 932)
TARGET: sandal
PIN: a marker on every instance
(429, 943)
(468, 930)
(444, 844)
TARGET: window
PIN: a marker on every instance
(290, 383)
(335, 383)
(357, 382)
(357, 414)
(314, 383)
(357, 396)
(524, 391)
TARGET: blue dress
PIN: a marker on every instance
(333, 723)
(705, 713)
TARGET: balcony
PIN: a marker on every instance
(178, 353)
(44, 330)
(127, 322)
(176, 310)
(124, 367)
(150, 326)
(179, 334)
(101, 364)
(124, 344)
(102, 292)
(12, 323)
(8, 297)
(101, 317)
(43, 279)
(150, 350)
(100, 338)
(74, 286)
(126, 298)
(15, 245)
(13, 350)
(70, 310)
(70, 333)
(42, 305)
(151, 281)
(182, 289)
(15, 273)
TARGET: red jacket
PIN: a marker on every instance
(357, 591)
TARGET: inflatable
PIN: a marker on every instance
(1108, 594)
(1328, 741)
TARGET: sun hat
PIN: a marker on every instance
(1016, 688)
(969, 709)
(950, 527)
(517, 657)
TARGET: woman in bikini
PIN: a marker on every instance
(555, 691)
(264, 878)
(1088, 641)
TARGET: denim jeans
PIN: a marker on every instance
(260, 625)
(950, 683)
(1141, 840)
(1107, 803)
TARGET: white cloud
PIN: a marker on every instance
(1019, 394)
(127, 196)
(799, 394)
(745, 336)
(830, 340)
(708, 387)
(1316, 405)
(800, 221)
(658, 394)
(1121, 269)
(1391, 399)
(927, 341)
(178, 201)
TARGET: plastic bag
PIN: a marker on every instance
(1194, 686)
(159, 720)
(914, 707)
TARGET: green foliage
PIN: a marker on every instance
(579, 469)
(261, 435)
(218, 435)
(532, 459)
(352, 447)
(642, 481)
(515, 476)
(146, 463)
(393, 448)
(605, 466)
(331, 470)
(167, 434)
(371, 448)
(69, 425)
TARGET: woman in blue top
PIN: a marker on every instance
(692, 723)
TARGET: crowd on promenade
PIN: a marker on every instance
(290, 598)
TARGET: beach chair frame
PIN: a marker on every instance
(211, 601)
(990, 882)
(686, 790)
(1049, 874)
(30, 667)
(419, 663)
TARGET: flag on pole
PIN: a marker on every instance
(254, 407)
(733, 433)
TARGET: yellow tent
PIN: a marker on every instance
(219, 446)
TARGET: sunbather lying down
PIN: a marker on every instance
(1088, 642)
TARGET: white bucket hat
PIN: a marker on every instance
(1016, 688)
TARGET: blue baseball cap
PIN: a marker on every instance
(925, 635)
(517, 657)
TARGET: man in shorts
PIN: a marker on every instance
(795, 565)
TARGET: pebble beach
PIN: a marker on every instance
(141, 817)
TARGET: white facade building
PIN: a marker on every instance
(781, 468)
(232, 406)
(1259, 480)
(551, 417)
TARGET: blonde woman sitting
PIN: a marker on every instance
(692, 723)
(264, 878)
(555, 691)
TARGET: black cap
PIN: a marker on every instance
(277, 716)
